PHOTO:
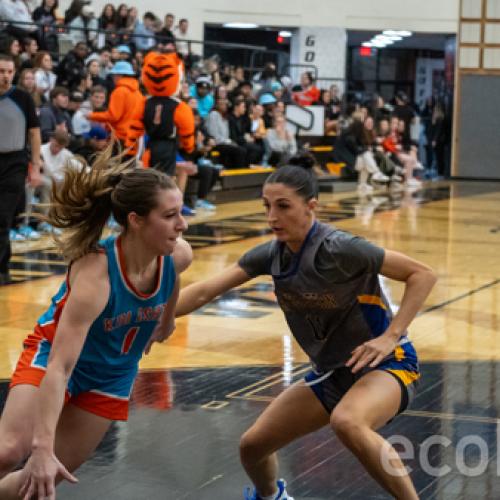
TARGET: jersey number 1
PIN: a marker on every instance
(129, 339)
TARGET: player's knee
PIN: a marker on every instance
(11, 455)
(345, 424)
(251, 447)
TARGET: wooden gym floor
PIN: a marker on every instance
(196, 394)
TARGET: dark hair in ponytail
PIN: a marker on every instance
(87, 196)
(297, 175)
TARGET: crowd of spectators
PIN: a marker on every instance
(240, 118)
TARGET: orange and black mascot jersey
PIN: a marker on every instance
(167, 121)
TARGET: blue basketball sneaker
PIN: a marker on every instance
(281, 495)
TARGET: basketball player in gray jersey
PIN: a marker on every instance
(364, 368)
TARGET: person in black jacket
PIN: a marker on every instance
(240, 133)
(54, 115)
(438, 137)
(71, 69)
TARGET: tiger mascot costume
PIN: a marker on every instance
(164, 118)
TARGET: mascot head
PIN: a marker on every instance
(162, 73)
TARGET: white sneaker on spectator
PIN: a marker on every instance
(379, 177)
(365, 189)
(419, 166)
(29, 233)
(204, 205)
(15, 236)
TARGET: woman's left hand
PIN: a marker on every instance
(371, 353)
(160, 334)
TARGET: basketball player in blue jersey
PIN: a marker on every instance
(77, 369)
(364, 367)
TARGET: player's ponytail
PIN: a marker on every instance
(88, 195)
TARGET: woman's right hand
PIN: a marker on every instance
(39, 476)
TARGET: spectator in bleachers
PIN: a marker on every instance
(84, 85)
(240, 133)
(165, 34)
(181, 33)
(132, 19)
(27, 83)
(145, 38)
(221, 92)
(383, 161)
(239, 74)
(54, 115)
(83, 27)
(17, 10)
(381, 111)
(10, 45)
(258, 127)
(207, 173)
(105, 63)
(287, 84)
(244, 89)
(72, 67)
(121, 18)
(332, 112)
(277, 91)
(123, 102)
(393, 145)
(94, 141)
(108, 17)
(307, 93)
(263, 81)
(217, 126)
(94, 69)
(30, 49)
(55, 156)
(76, 99)
(139, 57)
(46, 13)
(426, 121)
(201, 90)
(107, 21)
(280, 143)
(169, 22)
(352, 148)
(125, 54)
(438, 137)
(44, 76)
(268, 102)
(404, 112)
(95, 102)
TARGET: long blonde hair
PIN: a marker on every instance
(88, 195)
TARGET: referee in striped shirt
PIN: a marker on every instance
(19, 127)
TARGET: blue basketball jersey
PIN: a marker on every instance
(117, 338)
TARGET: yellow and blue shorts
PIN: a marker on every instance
(331, 386)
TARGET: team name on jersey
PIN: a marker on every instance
(304, 301)
(142, 314)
